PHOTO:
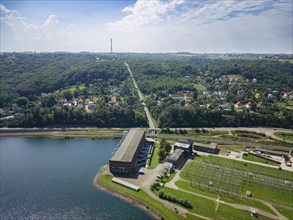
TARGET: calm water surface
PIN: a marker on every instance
(46, 178)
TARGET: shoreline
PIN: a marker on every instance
(70, 133)
(127, 198)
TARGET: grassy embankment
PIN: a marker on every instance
(200, 205)
(284, 136)
(140, 195)
(69, 133)
(254, 158)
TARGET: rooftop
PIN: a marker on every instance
(126, 184)
(182, 144)
(211, 146)
(127, 148)
(175, 155)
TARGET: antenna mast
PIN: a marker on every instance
(111, 46)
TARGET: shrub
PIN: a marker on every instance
(173, 199)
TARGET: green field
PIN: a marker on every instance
(231, 179)
(207, 207)
(251, 157)
(284, 136)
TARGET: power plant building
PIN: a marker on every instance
(124, 158)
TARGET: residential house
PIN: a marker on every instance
(177, 96)
(14, 107)
(68, 105)
(91, 105)
(189, 96)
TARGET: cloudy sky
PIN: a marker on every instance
(223, 26)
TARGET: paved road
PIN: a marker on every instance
(151, 124)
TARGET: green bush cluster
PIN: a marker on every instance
(170, 198)
(156, 186)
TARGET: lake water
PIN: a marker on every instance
(47, 178)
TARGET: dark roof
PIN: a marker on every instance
(129, 145)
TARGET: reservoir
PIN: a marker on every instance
(49, 178)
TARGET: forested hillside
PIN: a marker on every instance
(67, 89)
(180, 90)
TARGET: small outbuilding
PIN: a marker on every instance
(176, 157)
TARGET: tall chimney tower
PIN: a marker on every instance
(111, 46)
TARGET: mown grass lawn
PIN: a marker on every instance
(207, 207)
(244, 201)
(286, 212)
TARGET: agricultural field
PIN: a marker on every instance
(232, 179)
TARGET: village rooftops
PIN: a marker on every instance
(129, 145)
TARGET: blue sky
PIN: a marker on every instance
(258, 26)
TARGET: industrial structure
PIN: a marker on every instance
(124, 158)
(176, 157)
(208, 148)
(185, 145)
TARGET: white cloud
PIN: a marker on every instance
(18, 34)
(52, 19)
(206, 26)
(160, 26)
(4, 10)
